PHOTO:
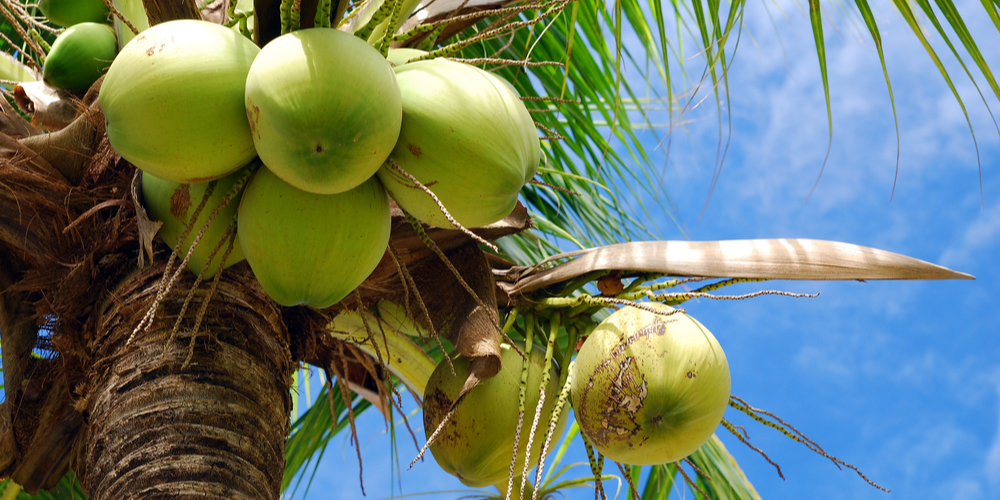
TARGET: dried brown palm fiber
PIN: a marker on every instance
(213, 430)
(12, 123)
(71, 149)
(19, 334)
(47, 456)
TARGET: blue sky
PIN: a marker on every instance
(901, 379)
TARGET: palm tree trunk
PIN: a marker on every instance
(168, 419)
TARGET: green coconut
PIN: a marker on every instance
(307, 248)
(324, 108)
(173, 101)
(476, 446)
(465, 135)
(650, 389)
(399, 57)
(79, 56)
(73, 12)
(173, 204)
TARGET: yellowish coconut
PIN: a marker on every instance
(650, 389)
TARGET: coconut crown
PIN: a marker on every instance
(173, 101)
(476, 446)
(79, 56)
(324, 108)
(173, 204)
(72, 12)
(648, 388)
(467, 135)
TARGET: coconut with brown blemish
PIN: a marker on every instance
(477, 444)
(174, 203)
(650, 388)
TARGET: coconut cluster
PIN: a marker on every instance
(334, 124)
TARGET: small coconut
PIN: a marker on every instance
(73, 12)
(648, 388)
(173, 204)
(476, 446)
(307, 248)
(79, 56)
(324, 108)
(465, 135)
(173, 101)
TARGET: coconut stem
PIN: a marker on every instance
(529, 338)
(417, 228)
(401, 266)
(554, 327)
(383, 44)
(163, 286)
(454, 48)
(121, 17)
(208, 297)
(444, 211)
(743, 439)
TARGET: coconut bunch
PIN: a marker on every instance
(338, 130)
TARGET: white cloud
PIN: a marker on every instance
(983, 233)
(992, 465)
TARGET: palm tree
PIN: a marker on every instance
(197, 402)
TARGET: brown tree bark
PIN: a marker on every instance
(159, 11)
(201, 415)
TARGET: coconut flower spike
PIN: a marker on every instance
(596, 468)
(553, 423)
(553, 331)
(529, 338)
